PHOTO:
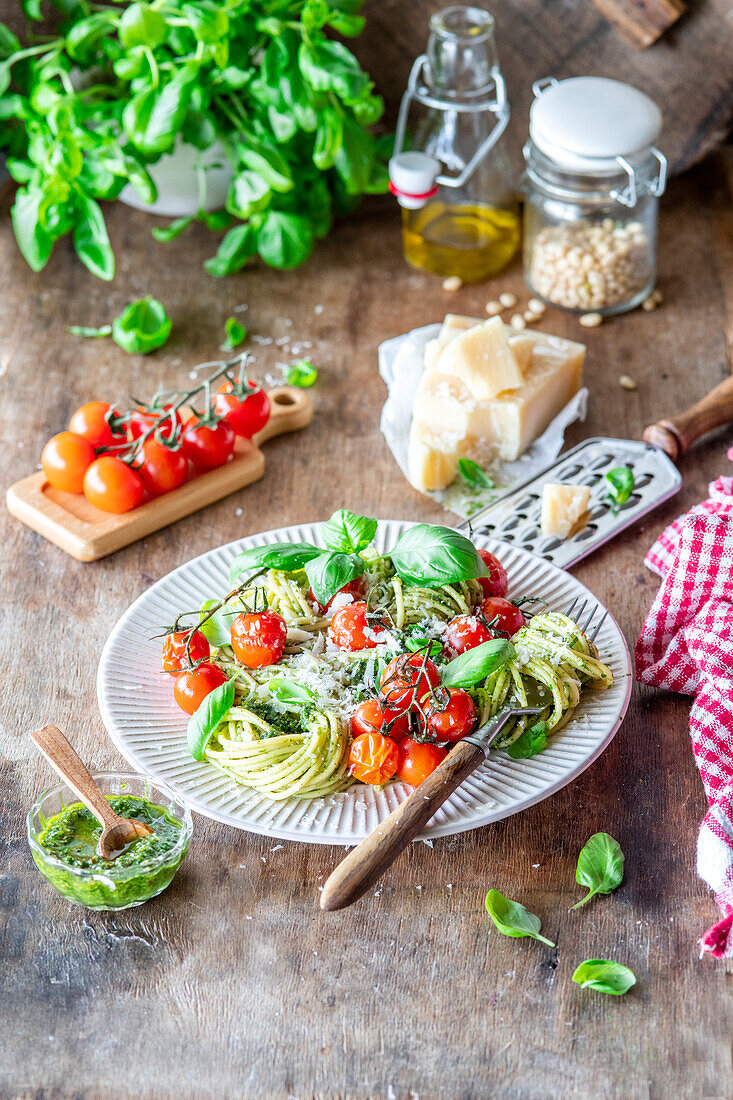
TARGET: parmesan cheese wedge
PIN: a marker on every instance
(562, 507)
(481, 357)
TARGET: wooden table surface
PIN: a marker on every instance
(233, 983)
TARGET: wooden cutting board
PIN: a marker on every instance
(71, 522)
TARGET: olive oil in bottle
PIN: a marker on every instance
(469, 240)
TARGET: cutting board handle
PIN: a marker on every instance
(290, 409)
(677, 434)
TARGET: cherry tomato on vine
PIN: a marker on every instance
(110, 484)
(456, 720)
(497, 582)
(509, 619)
(193, 685)
(465, 632)
(91, 421)
(207, 446)
(355, 588)
(406, 679)
(349, 628)
(419, 760)
(142, 420)
(373, 758)
(247, 415)
(370, 717)
(65, 459)
(174, 649)
(258, 638)
(161, 468)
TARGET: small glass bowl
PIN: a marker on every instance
(129, 886)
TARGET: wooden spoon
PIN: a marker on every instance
(116, 831)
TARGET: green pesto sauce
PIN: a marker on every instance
(72, 836)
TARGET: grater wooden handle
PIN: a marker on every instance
(677, 434)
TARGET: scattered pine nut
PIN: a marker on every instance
(658, 296)
(590, 320)
(626, 383)
(536, 306)
(453, 282)
(508, 300)
(530, 316)
(648, 304)
(518, 322)
(493, 307)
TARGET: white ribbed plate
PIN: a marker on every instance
(137, 707)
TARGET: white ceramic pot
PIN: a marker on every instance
(176, 179)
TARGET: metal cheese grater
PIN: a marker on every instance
(516, 517)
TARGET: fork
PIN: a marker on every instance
(366, 863)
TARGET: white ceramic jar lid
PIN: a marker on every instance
(586, 122)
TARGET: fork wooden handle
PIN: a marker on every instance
(369, 860)
(677, 434)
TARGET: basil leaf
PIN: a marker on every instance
(288, 556)
(605, 976)
(142, 326)
(236, 248)
(330, 571)
(302, 373)
(33, 240)
(87, 330)
(285, 691)
(600, 866)
(141, 25)
(530, 741)
(153, 117)
(473, 475)
(348, 532)
(91, 241)
(248, 194)
(217, 629)
(430, 555)
(9, 42)
(476, 664)
(235, 334)
(420, 642)
(621, 481)
(512, 919)
(211, 711)
(170, 232)
(285, 240)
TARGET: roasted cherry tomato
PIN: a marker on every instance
(349, 628)
(418, 761)
(161, 468)
(207, 447)
(497, 583)
(456, 720)
(111, 485)
(406, 679)
(509, 619)
(174, 650)
(247, 415)
(193, 685)
(465, 632)
(258, 638)
(65, 459)
(355, 588)
(141, 421)
(369, 717)
(373, 758)
(91, 422)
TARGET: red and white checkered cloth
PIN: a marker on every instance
(686, 644)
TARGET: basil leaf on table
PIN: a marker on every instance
(285, 691)
(430, 555)
(302, 373)
(235, 334)
(512, 919)
(531, 740)
(476, 664)
(87, 330)
(604, 976)
(473, 475)
(330, 571)
(621, 482)
(142, 326)
(287, 556)
(600, 866)
(348, 532)
(211, 711)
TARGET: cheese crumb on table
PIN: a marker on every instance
(453, 282)
(562, 507)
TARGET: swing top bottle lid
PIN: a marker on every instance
(412, 179)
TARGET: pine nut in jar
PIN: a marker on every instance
(592, 184)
